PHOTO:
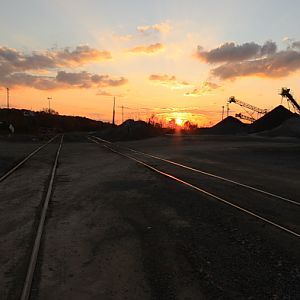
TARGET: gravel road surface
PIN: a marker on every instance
(116, 230)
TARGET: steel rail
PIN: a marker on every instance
(35, 250)
(278, 226)
(13, 169)
(207, 174)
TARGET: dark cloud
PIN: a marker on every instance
(106, 81)
(251, 59)
(61, 80)
(33, 81)
(18, 62)
(13, 61)
(296, 45)
(87, 80)
(17, 68)
(279, 64)
(82, 79)
(9, 54)
(269, 48)
(230, 52)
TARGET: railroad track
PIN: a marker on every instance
(41, 221)
(35, 250)
(25, 159)
(275, 210)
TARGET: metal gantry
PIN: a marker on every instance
(244, 117)
(250, 109)
(285, 93)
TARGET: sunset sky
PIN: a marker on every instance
(167, 58)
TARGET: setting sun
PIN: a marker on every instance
(179, 122)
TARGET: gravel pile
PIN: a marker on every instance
(271, 120)
(289, 128)
(130, 130)
(230, 125)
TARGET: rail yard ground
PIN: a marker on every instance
(117, 230)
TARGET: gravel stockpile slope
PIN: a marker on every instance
(271, 120)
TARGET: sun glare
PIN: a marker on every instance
(179, 122)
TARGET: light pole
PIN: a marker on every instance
(49, 98)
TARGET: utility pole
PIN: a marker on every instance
(122, 114)
(223, 112)
(7, 97)
(113, 119)
(49, 98)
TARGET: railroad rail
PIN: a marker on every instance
(25, 159)
(35, 250)
(123, 151)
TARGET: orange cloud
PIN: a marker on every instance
(108, 94)
(151, 49)
(163, 27)
(123, 38)
(168, 81)
(206, 88)
(81, 55)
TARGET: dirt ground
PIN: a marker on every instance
(10, 153)
(269, 163)
(116, 230)
(21, 197)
